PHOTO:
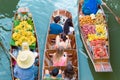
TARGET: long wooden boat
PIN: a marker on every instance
(50, 50)
(95, 37)
(24, 31)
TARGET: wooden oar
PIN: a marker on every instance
(12, 56)
(7, 51)
(116, 17)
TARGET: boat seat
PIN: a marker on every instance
(62, 13)
(59, 67)
(51, 41)
(103, 67)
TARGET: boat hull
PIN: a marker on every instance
(15, 48)
(101, 62)
(72, 53)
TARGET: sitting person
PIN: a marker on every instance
(60, 57)
(68, 27)
(25, 68)
(62, 40)
(54, 75)
(90, 6)
(55, 28)
(69, 73)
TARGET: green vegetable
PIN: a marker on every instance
(33, 46)
(16, 22)
(12, 42)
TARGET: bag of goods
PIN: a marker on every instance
(86, 20)
(99, 19)
(98, 42)
(88, 29)
(99, 51)
(101, 31)
(92, 37)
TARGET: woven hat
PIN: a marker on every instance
(25, 59)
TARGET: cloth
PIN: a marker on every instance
(47, 77)
(61, 62)
(90, 6)
(55, 28)
(25, 74)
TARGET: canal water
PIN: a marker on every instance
(42, 10)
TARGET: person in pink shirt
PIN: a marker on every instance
(60, 57)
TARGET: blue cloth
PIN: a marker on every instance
(47, 77)
(90, 6)
(25, 74)
(55, 28)
(58, 76)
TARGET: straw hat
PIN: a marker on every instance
(25, 59)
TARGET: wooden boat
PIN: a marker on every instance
(24, 30)
(50, 50)
(94, 34)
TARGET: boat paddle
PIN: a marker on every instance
(7, 51)
(116, 17)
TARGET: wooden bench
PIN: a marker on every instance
(71, 54)
(51, 41)
(62, 13)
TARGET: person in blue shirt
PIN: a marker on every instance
(26, 74)
(55, 28)
(90, 6)
(55, 74)
(25, 68)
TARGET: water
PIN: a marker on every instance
(42, 10)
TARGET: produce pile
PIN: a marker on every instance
(95, 33)
(23, 31)
(99, 48)
(86, 20)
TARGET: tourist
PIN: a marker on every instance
(55, 74)
(60, 57)
(63, 40)
(69, 73)
(68, 27)
(25, 68)
(90, 6)
(55, 28)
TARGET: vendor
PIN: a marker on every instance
(90, 6)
